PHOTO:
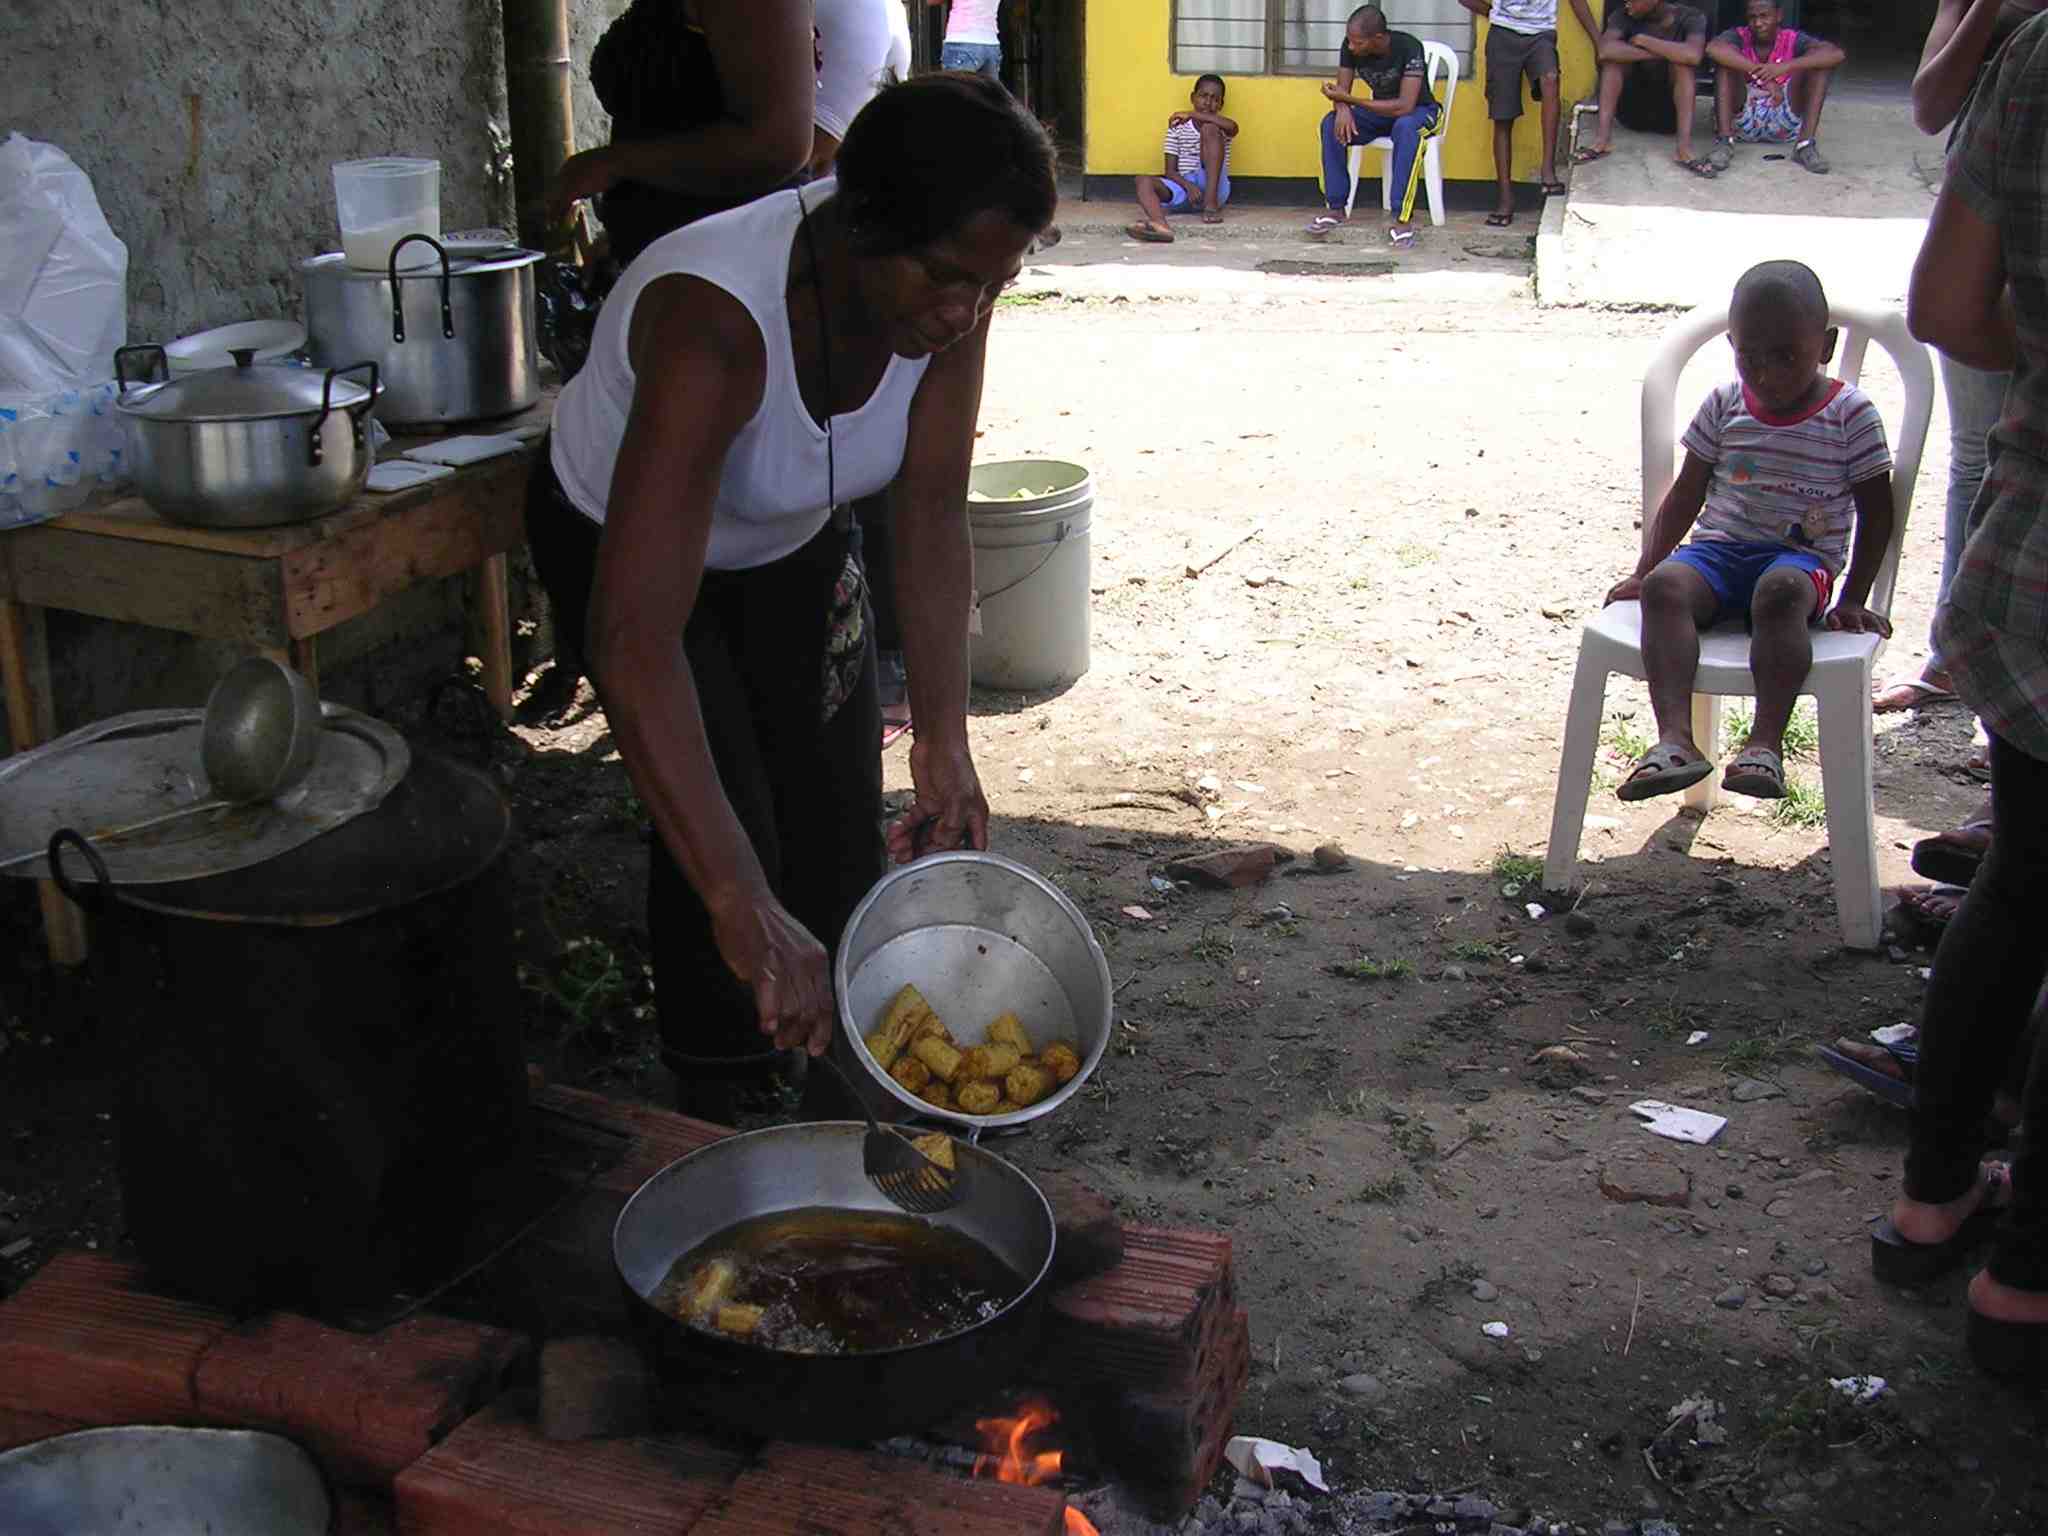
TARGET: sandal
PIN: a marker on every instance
(1499, 220)
(1591, 153)
(1704, 169)
(1212, 215)
(1871, 1066)
(1663, 770)
(1921, 915)
(1757, 772)
(1895, 1260)
(1909, 693)
(1951, 858)
(1322, 224)
(1152, 234)
(1554, 189)
(1400, 237)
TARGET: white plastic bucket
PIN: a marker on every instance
(1030, 572)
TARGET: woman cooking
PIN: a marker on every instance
(751, 375)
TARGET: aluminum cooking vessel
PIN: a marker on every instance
(247, 446)
(453, 341)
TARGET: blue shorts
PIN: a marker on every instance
(1733, 568)
(1177, 199)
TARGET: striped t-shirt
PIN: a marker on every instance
(1184, 143)
(1787, 480)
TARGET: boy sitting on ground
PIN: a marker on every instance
(1197, 173)
(1785, 463)
(1770, 84)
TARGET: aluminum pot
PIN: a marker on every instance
(247, 446)
(454, 341)
(133, 1478)
(854, 1397)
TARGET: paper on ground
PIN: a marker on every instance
(1668, 1120)
(1259, 1459)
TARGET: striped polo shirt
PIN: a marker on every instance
(1787, 480)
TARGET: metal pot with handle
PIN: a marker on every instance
(455, 341)
(247, 446)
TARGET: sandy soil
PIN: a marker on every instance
(1440, 492)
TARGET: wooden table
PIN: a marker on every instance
(271, 590)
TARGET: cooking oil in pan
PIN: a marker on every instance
(821, 1281)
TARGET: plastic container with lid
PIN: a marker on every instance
(380, 202)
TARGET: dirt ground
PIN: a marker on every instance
(1341, 1070)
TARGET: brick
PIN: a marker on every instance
(1167, 1447)
(363, 1512)
(87, 1340)
(594, 1388)
(655, 1137)
(365, 1405)
(809, 1490)
(1091, 1239)
(1230, 868)
(22, 1428)
(496, 1473)
(1151, 1321)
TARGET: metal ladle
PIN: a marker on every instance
(259, 737)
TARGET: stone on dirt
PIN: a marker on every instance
(1589, 1095)
(1330, 857)
(1485, 1290)
(1361, 1385)
(1646, 1183)
(1749, 1090)
(1783, 1287)
(1733, 1299)
(1230, 868)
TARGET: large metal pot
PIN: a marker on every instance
(247, 446)
(135, 1478)
(455, 341)
(850, 1398)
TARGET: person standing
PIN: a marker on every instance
(1521, 42)
(1400, 106)
(973, 42)
(864, 45)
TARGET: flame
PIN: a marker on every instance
(1011, 1460)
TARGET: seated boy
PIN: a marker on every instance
(1770, 83)
(1197, 173)
(1785, 463)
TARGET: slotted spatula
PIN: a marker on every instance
(910, 1180)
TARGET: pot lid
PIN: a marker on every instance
(249, 391)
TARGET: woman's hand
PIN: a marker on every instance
(950, 810)
(590, 174)
(789, 970)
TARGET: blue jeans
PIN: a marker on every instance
(1407, 134)
(1975, 398)
(975, 58)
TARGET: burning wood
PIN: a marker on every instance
(1010, 1458)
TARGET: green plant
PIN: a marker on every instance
(1803, 806)
(1673, 1017)
(1415, 1052)
(1214, 944)
(1512, 868)
(1622, 737)
(1414, 1141)
(588, 981)
(1413, 554)
(1449, 1279)
(1478, 949)
(1356, 1102)
(1013, 299)
(1385, 1190)
(1771, 1045)
(1802, 731)
(1365, 968)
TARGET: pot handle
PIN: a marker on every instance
(94, 900)
(398, 294)
(147, 349)
(314, 451)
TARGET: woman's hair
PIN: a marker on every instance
(927, 155)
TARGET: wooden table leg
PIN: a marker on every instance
(494, 601)
(25, 676)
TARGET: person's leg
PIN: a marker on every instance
(1988, 971)
(1408, 134)
(1551, 113)
(1149, 188)
(1212, 174)
(1685, 82)
(1612, 78)
(1336, 162)
(1808, 93)
(1975, 397)
(1503, 160)
(1730, 90)
(1678, 602)
(1503, 106)
(564, 546)
(1780, 649)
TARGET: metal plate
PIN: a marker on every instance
(139, 765)
(97, 1482)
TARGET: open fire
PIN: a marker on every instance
(1009, 1457)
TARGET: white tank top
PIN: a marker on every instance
(772, 497)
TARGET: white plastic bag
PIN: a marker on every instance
(63, 274)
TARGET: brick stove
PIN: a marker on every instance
(433, 1426)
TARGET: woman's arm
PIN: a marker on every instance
(935, 583)
(1949, 61)
(1958, 300)
(700, 368)
(767, 71)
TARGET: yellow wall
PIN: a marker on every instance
(1131, 88)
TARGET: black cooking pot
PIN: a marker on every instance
(316, 1052)
(852, 1398)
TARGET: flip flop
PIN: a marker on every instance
(1897, 1261)
(1951, 858)
(1662, 771)
(1893, 1090)
(1499, 220)
(1212, 215)
(1704, 169)
(1322, 224)
(1554, 189)
(1400, 237)
(1589, 154)
(1150, 233)
(2011, 1351)
(1910, 693)
(891, 729)
(1757, 772)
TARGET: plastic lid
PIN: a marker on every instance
(245, 392)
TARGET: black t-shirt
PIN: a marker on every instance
(1383, 75)
(1677, 24)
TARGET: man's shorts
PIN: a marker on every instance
(1648, 101)
(1509, 56)
(1177, 199)
(1767, 119)
(1732, 569)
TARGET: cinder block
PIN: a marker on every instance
(496, 1473)
(87, 1340)
(18, 1427)
(1149, 1322)
(366, 1406)
(811, 1490)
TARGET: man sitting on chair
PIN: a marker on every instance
(1650, 55)
(1396, 72)
(1770, 82)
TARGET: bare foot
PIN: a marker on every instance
(1921, 1223)
(2004, 1303)
(1212, 215)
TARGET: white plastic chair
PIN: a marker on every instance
(1842, 663)
(1440, 69)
